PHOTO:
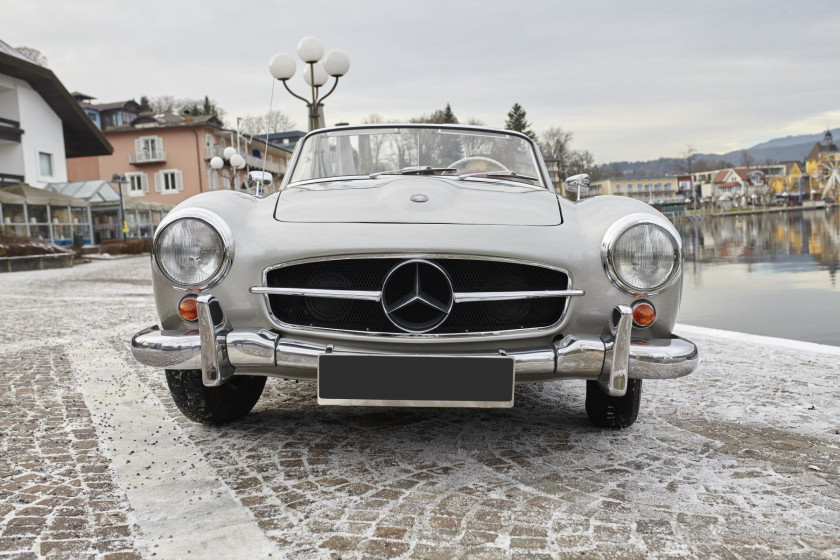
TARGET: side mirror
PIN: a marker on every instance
(260, 181)
(578, 184)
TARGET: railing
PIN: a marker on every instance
(147, 156)
(9, 179)
(10, 130)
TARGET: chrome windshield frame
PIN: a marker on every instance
(545, 178)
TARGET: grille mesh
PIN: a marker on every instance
(467, 275)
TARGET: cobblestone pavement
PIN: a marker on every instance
(739, 460)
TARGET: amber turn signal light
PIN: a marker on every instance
(187, 309)
(643, 314)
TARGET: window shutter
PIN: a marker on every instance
(138, 145)
(158, 182)
(144, 180)
(179, 181)
(159, 143)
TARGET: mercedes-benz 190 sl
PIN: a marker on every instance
(415, 265)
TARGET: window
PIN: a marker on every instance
(138, 184)
(168, 181)
(46, 164)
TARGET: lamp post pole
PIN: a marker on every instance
(120, 180)
(317, 73)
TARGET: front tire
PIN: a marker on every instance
(213, 405)
(613, 412)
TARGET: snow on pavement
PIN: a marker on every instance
(740, 459)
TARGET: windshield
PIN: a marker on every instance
(466, 153)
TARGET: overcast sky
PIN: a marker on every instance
(631, 80)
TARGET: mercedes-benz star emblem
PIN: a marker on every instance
(417, 296)
(419, 198)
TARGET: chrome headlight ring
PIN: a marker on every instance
(221, 229)
(622, 226)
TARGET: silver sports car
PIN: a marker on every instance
(415, 265)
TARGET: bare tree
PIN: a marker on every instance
(688, 158)
(746, 159)
(582, 162)
(556, 145)
(267, 123)
(374, 118)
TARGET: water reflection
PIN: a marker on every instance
(773, 274)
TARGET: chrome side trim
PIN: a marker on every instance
(362, 335)
(315, 292)
(221, 228)
(215, 368)
(613, 379)
(464, 297)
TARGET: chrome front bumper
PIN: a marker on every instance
(221, 352)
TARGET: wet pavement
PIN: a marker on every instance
(739, 460)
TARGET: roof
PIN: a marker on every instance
(81, 137)
(42, 197)
(98, 190)
(721, 176)
(150, 120)
(115, 105)
(10, 198)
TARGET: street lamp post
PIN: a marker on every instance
(316, 74)
(236, 162)
(120, 180)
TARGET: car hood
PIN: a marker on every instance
(394, 200)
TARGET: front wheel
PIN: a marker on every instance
(613, 412)
(213, 405)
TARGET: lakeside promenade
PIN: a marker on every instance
(806, 205)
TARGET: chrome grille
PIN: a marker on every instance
(363, 277)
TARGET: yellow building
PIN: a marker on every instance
(789, 182)
(646, 189)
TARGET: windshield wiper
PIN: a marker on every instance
(511, 174)
(414, 170)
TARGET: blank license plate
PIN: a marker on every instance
(481, 382)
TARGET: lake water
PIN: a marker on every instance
(774, 274)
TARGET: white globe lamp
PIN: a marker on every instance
(336, 63)
(229, 152)
(310, 49)
(282, 66)
(217, 163)
(237, 161)
(320, 75)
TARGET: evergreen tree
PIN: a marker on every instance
(516, 120)
(144, 104)
(448, 116)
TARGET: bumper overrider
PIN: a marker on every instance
(221, 352)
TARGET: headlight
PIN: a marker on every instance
(194, 250)
(641, 254)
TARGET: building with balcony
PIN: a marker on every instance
(646, 189)
(166, 158)
(41, 125)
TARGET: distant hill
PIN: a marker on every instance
(789, 148)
